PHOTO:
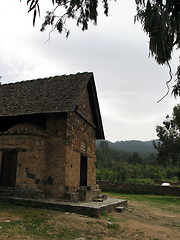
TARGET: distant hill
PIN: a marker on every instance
(141, 147)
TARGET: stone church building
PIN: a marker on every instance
(48, 130)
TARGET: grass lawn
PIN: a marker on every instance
(146, 217)
(171, 203)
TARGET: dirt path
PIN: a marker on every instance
(140, 221)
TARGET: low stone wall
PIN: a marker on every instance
(138, 188)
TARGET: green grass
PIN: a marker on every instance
(114, 226)
(170, 203)
(38, 223)
(37, 229)
(32, 222)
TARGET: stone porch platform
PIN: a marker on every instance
(94, 209)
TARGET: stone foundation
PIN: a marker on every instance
(83, 193)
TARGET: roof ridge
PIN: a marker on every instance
(46, 78)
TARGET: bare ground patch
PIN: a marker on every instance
(140, 221)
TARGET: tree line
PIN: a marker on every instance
(121, 166)
(163, 165)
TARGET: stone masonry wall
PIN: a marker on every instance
(51, 162)
(138, 188)
(56, 154)
(85, 107)
(41, 159)
(81, 140)
(81, 136)
(30, 159)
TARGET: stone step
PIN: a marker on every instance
(7, 191)
(103, 196)
(120, 208)
(93, 209)
(100, 198)
(7, 188)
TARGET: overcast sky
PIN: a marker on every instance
(128, 83)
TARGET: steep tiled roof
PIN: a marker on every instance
(50, 95)
(54, 94)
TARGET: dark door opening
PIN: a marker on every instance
(8, 169)
(83, 171)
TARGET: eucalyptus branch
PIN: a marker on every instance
(61, 19)
(167, 83)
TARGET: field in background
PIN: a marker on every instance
(147, 217)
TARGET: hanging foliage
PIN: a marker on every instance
(83, 11)
(160, 19)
